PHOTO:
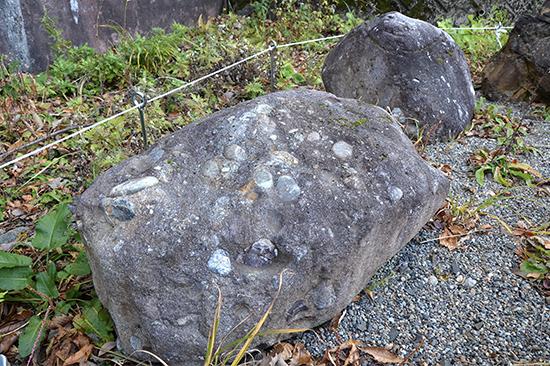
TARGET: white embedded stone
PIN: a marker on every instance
(219, 262)
(263, 178)
(313, 136)
(133, 186)
(234, 152)
(342, 149)
(395, 194)
(288, 188)
(210, 169)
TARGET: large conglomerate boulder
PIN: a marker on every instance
(408, 65)
(521, 69)
(328, 188)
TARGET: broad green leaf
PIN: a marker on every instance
(525, 176)
(28, 339)
(298, 78)
(531, 266)
(51, 230)
(80, 267)
(95, 319)
(525, 167)
(15, 278)
(46, 285)
(10, 260)
(497, 175)
(52, 270)
(480, 174)
(65, 306)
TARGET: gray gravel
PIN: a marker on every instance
(465, 304)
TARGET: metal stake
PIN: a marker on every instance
(272, 47)
(140, 106)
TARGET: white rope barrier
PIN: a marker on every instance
(186, 85)
(38, 151)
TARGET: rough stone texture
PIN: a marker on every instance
(329, 188)
(523, 63)
(23, 37)
(404, 63)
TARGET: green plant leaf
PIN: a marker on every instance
(497, 176)
(95, 319)
(80, 267)
(51, 229)
(46, 285)
(10, 260)
(28, 339)
(525, 176)
(480, 174)
(532, 266)
(15, 278)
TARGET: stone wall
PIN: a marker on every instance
(24, 38)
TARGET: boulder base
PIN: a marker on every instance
(328, 188)
(408, 65)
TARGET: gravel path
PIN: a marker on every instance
(465, 304)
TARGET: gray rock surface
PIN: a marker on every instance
(329, 188)
(407, 64)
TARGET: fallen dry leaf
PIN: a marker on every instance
(370, 294)
(284, 350)
(381, 355)
(106, 347)
(81, 356)
(450, 235)
(447, 239)
(543, 240)
(300, 356)
(335, 322)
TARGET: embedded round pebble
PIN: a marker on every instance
(263, 178)
(219, 262)
(288, 188)
(123, 209)
(395, 194)
(234, 152)
(313, 136)
(342, 150)
(210, 169)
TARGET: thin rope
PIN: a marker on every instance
(313, 40)
(475, 28)
(37, 151)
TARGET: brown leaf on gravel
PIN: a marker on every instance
(284, 350)
(300, 356)
(381, 355)
(447, 239)
(450, 235)
(335, 322)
